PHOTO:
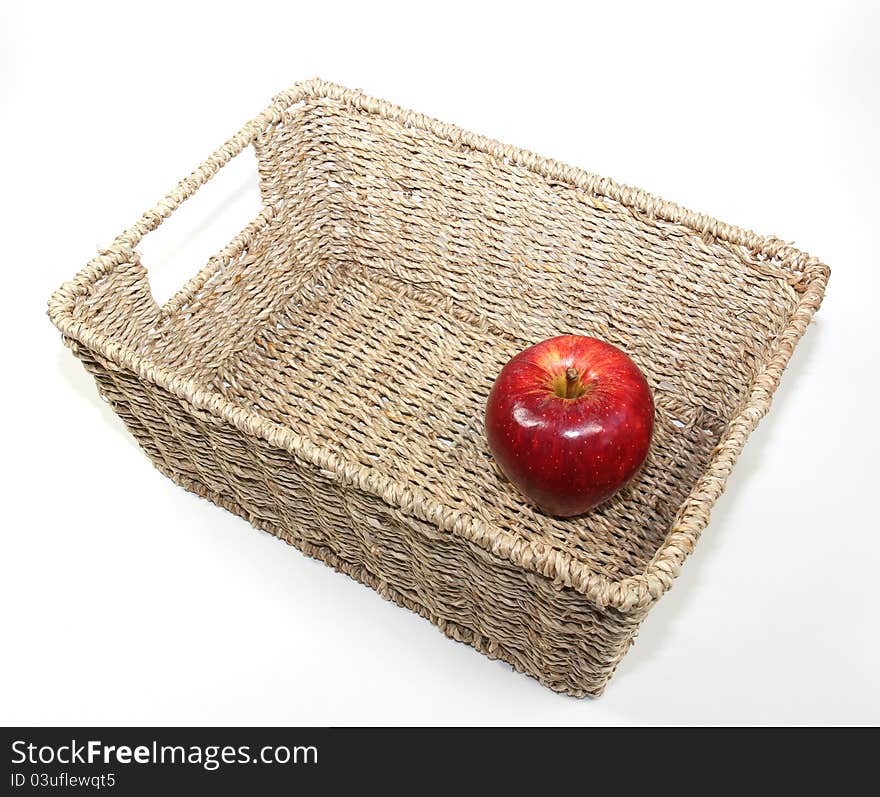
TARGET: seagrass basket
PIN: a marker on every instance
(324, 375)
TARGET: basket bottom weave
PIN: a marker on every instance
(394, 379)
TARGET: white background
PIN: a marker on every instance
(127, 600)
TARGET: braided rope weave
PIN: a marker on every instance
(324, 375)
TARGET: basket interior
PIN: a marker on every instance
(400, 270)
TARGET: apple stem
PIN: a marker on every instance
(571, 382)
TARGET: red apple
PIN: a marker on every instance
(569, 422)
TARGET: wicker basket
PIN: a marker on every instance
(324, 375)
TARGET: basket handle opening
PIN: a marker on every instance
(203, 228)
(119, 269)
(243, 183)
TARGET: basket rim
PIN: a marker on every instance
(630, 594)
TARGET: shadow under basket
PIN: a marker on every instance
(325, 375)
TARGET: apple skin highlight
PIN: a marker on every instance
(569, 422)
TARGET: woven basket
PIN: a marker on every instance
(324, 375)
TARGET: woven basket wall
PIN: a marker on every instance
(324, 376)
